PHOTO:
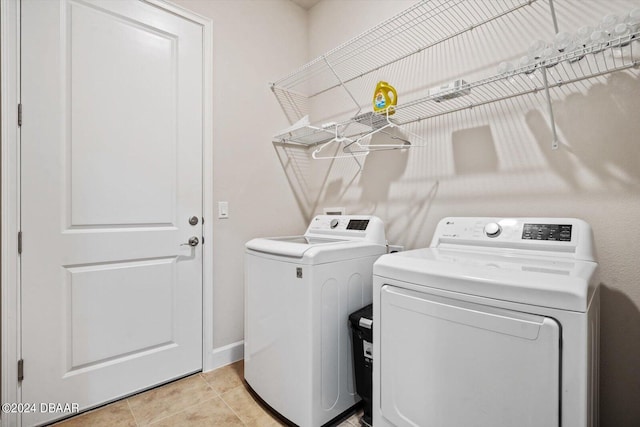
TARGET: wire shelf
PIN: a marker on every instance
(420, 27)
(588, 62)
(307, 135)
(591, 61)
(417, 28)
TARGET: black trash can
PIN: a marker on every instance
(361, 323)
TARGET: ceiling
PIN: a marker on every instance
(306, 4)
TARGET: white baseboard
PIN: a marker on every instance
(225, 355)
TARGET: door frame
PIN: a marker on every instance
(10, 347)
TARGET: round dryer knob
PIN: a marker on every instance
(492, 229)
(334, 223)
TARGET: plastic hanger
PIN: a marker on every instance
(338, 139)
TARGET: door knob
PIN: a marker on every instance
(193, 241)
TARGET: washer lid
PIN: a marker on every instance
(535, 280)
(292, 246)
(313, 250)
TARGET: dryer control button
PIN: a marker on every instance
(492, 229)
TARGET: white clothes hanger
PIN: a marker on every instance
(356, 147)
(366, 147)
(338, 139)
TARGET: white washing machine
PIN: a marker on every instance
(299, 292)
(496, 324)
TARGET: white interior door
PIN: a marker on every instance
(111, 172)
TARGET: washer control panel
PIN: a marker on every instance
(338, 222)
(364, 227)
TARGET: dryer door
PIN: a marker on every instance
(450, 363)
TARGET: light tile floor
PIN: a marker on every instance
(216, 398)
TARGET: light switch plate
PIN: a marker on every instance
(223, 210)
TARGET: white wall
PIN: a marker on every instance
(496, 160)
(254, 42)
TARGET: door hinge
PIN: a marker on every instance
(20, 370)
(19, 115)
(19, 242)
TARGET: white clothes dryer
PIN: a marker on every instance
(496, 324)
(299, 292)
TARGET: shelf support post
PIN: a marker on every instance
(552, 122)
(553, 16)
(342, 84)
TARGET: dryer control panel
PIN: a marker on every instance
(559, 232)
(566, 237)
